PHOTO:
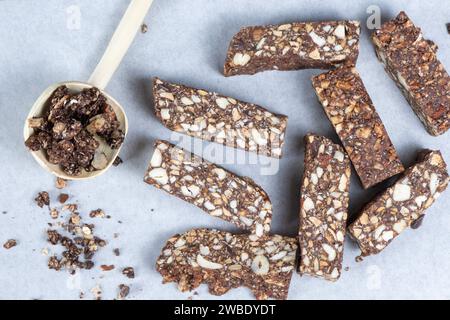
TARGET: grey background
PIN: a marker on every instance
(186, 43)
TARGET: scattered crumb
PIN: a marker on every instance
(42, 199)
(54, 213)
(9, 244)
(44, 252)
(4, 212)
(81, 294)
(97, 292)
(117, 161)
(448, 28)
(99, 213)
(124, 290)
(63, 197)
(105, 267)
(60, 183)
(346, 268)
(116, 235)
(144, 28)
(70, 207)
(80, 242)
(152, 210)
(116, 252)
(359, 258)
(129, 272)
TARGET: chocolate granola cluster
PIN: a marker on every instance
(70, 130)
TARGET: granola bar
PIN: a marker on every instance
(399, 206)
(213, 189)
(213, 117)
(224, 261)
(352, 113)
(323, 208)
(412, 63)
(298, 45)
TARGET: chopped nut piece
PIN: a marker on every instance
(54, 213)
(350, 110)
(411, 61)
(323, 208)
(266, 270)
(129, 272)
(105, 267)
(63, 197)
(379, 223)
(97, 292)
(293, 46)
(220, 119)
(9, 244)
(218, 192)
(42, 199)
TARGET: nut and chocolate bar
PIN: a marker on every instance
(412, 63)
(352, 113)
(293, 46)
(323, 207)
(399, 206)
(224, 261)
(214, 117)
(217, 191)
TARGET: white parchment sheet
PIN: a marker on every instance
(44, 42)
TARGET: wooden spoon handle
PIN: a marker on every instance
(120, 42)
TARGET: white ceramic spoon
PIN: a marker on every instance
(117, 47)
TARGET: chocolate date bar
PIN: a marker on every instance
(323, 208)
(293, 46)
(352, 113)
(399, 206)
(217, 118)
(412, 63)
(218, 192)
(224, 261)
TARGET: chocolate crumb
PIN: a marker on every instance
(54, 213)
(417, 223)
(105, 267)
(129, 272)
(54, 263)
(60, 183)
(448, 28)
(99, 213)
(63, 197)
(347, 268)
(42, 199)
(117, 161)
(4, 212)
(9, 244)
(116, 252)
(124, 290)
(53, 237)
(144, 28)
(359, 258)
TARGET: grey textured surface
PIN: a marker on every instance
(186, 42)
